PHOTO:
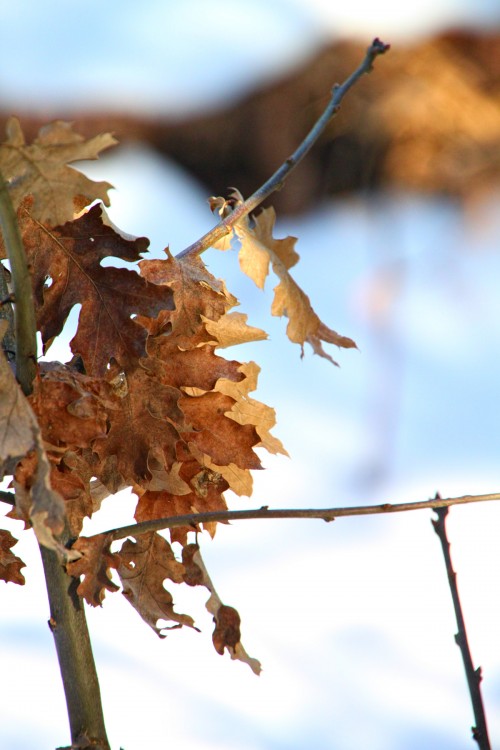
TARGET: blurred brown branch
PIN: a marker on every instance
(428, 121)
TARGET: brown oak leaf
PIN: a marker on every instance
(197, 295)
(145, 422)
(226, 634)
(37, 502)
(246, 410)
(258, 249)
(66, 270)
(192, 368)
(75, 491)
(17, 420)
(145, 564)
(40, 169)
(205, 488)
(70, 406)
(94, 564)
(232, 329)
(10, 564)
(219, 437)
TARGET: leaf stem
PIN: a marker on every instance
(326, 514)
(24, 309)
(275, 182)
(480, 730)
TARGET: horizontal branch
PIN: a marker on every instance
(326, 514)
(275, 182)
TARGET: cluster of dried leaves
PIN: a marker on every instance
(146, 402)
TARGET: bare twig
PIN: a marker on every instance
(7, 497)
(480, 730)
(24, 313)
(275, 182)
(326, 514)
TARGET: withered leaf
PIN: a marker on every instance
(19, 434)
(258, 249)
(70, 406)
(40, 169)
(205, 488)
(17, 420)
(227, 629)
(197, 295)
(232, 329)
(94, 564)
(226, 634)
(69, 257)
(74, 488)
(144, 425)
(10, 564)
(47, 512)
(246, 410)
(193, 368)
(145, 564)
(219, 437)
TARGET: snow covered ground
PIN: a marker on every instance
(353, 620)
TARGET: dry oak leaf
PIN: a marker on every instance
(222, 439)
(19, 434)
(38, 502)
(258, 249)
(205, 490)
(232, 329)
(66, 271)
(192, 368)
(75, 491)
(227, 620)
(17, 420)
(145, 564)
(70, 406)
(144, 423)
(40, 169)
(197, 295)
(48, 511)
(94, 564)
(246, 410)
(10, 564)
(71, 481)
(239, 481)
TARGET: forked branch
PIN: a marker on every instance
(275, 182)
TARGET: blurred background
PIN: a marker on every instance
(396, 211)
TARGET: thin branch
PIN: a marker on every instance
(326, 514)
(275, 182)
(480, 731)
(25, 321)
(7, 497)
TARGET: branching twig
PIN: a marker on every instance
(276, 181)
(480, 730)
(327, 514)
(25, 321)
